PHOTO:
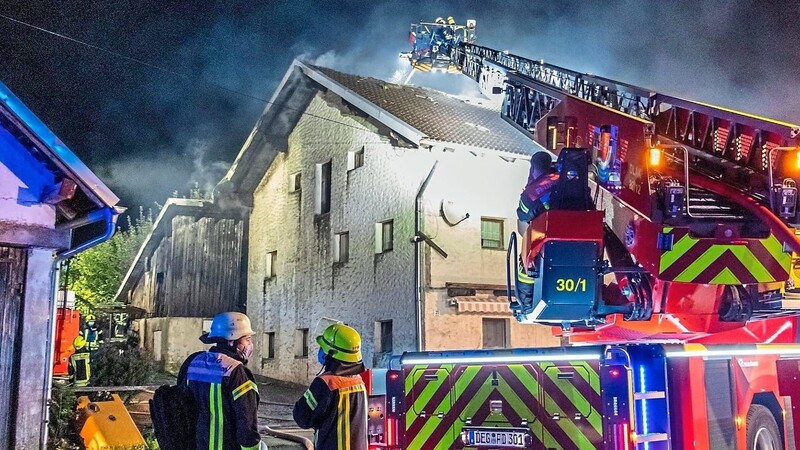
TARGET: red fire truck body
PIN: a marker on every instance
(615, 397)
(670, 283)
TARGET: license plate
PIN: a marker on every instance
(496, 438)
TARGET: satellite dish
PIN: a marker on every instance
(452, 213)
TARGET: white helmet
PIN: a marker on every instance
(228, 326)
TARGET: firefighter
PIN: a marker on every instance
(93, 336)
(335, 405)
(224, 390)
(533, 201)
(79, 363)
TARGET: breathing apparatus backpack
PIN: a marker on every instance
(174, 413)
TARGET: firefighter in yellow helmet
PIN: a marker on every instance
(79, 366)
(335, 405)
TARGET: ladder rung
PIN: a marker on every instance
(651, 437)
(650, 395)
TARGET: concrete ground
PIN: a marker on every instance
(275, 411)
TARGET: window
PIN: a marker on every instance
(323, 194)
(355, 159)
(491, 233)
(271, 265)
(341, 247)
(383, 336)
(294, 182)
(301, 342)
(384, 236)
(270, 345)
(495, 333)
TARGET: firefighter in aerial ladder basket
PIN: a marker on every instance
(534, 200)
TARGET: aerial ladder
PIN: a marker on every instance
(693, 234)
(685, 239)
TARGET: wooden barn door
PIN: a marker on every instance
(12, 281)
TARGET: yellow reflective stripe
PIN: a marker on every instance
(523, 207)
(219, 417)
(351, 389)
(523, 277)
(212, 424)
(244, 388)
(310, 400)
(347, 421)
(340, 424)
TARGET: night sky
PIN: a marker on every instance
(148, 133)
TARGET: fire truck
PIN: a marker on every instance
(673, 284)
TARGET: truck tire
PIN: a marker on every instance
(762, 430)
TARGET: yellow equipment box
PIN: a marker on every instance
(107, 425)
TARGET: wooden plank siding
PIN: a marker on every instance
(194, 271)
(13, 263)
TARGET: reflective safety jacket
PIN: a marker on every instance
(535, 198)
(226, 396)
(336, 408)
(93, 338)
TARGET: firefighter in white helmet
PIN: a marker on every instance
(224, 389)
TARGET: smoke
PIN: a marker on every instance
(148, 133)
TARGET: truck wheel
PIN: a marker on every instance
(762, 430)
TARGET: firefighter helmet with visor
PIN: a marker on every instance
(341, 342)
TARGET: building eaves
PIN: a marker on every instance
(48, 146)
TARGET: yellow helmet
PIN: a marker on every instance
(79, 342)
(90, 317)
(341, 342)
(451, 21)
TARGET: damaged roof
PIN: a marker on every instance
(436, 116)
(424, 117)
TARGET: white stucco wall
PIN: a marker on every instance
(308, 286)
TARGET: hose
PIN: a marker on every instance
(288, 436)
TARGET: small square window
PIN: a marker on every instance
(301, 342)
(271, 265)
(341, 247)
(355, 159)
(270, 345)
(294, 182)
(491, 233)
(384, 236)
(383, 336)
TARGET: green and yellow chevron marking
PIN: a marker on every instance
(683, 245)
(476, 398)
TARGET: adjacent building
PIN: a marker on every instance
(386, 207)
(189, 268)
(51, 208)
